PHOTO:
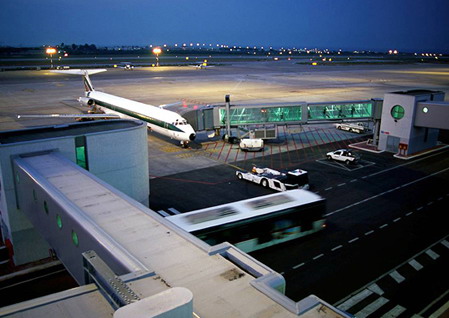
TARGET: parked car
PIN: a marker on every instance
(343, 155)
(359, 128)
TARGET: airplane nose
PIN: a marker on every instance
(192, 137)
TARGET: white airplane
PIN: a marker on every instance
(162, 121)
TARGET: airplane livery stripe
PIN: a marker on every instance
(142, 117)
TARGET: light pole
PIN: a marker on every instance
(157, 51)
(51, 51)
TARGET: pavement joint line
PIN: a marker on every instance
(378, 195)
(369, 232)
(383, 226)
(353, 240)
(397, 219)
(298, 266)
(318, 256)
(336, 248)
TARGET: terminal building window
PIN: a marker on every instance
(339, 111)
(81, 152)
(259, 114)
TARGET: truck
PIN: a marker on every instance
(359, 128)
(276, 180)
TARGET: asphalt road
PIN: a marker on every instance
(379, 216)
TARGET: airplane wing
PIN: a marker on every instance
(93, 116)
(80, 71)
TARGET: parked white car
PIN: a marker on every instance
(344, 155)
(352, 127)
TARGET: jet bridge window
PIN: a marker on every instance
(81, 152)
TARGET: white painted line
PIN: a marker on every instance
(397, 219)
(440, 198)
(395, 312)
(369, 232)
(376, 289)
(353, 180)
(430, 203)
(380, 194)
(419, 209)
(341, 184)
(298, 266)
(364, 177)
(432, 254)
(375, 305)
(397, 277)
(318, 256)
(327, 189)
(282, 273)
(355, 299)
(382, 226)
(445, 243)
(337, 247)
(408, 214)
(414, 263)
(353, 240)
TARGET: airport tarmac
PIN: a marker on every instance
(42, 92)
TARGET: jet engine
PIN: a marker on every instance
(85, 101)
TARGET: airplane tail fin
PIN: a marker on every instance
(85, 73)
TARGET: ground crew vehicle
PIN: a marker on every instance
(276, 180)
(352, 127)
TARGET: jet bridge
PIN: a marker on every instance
(241, 115)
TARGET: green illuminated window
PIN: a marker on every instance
(255, 115)
(81, 152)
(75, 238)
(397, 112)
(59, 221)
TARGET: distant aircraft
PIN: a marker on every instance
(127, 65)
(162, 121)
(202, 65)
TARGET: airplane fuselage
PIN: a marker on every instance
(160, 120)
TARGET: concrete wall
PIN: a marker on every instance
(118, 157)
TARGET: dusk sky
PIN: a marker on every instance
(405, 25)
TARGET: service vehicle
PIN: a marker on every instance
(344, 155)
(276, 180)
(359, 128)
(257, 223)
(251, 144)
